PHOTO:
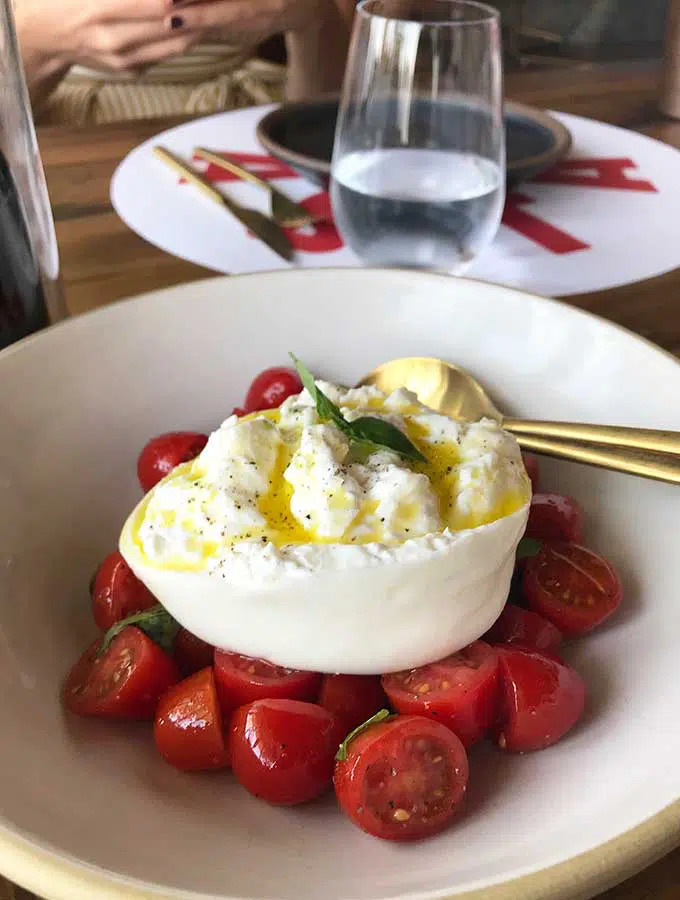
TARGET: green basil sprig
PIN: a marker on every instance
(370, 432)
(156, 623)
(528, 547)
(380, 716)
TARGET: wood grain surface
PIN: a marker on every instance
(103, 261)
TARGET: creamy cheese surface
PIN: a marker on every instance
(269, 484)
(270, 528)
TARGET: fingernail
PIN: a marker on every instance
(176, 22)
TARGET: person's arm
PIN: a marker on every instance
(317, 54)
(111, 35)
(347, 8)
(43, 66)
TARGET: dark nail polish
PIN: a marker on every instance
(176, 22)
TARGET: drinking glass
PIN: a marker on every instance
(418, 170)
(30, 294)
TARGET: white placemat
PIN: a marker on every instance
(607, 215)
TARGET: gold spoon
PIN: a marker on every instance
(451, 390)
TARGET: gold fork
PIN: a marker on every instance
(284, 211)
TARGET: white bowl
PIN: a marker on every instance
(87, 809)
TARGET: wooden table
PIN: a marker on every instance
(103, 261)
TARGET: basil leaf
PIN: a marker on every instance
(326, 409)
(156, 622)
(373, 433)
(528, 547)
(381, 716)
(371, 430)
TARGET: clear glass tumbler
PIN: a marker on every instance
(418, 171)
(30, 295)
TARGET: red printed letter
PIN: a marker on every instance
(537, 230)
(600, 173)
(322, 237)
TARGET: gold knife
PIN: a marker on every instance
(265, 228)
(284, 210)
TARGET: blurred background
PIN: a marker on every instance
(554, 32)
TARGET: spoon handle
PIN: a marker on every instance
(619, 436)
(630, 460)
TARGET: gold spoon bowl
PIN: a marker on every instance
(451, 390)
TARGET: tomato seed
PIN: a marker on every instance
(422, 689)
(502, 743)
(401, 815)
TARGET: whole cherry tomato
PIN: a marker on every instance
(403, 778)
(522, 626)
(124, 682)
(242, 679)
(541, 699)
(283, 751)
(554, 517)
(166, 451)
(352, 698)
(571, 586)
(117, 592)
(460, 691)
(188, 728)
(271, 387)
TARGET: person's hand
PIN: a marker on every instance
(130, 35)
(114, 35)
(249, 21)
(317, 34)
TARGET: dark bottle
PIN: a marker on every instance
(23, 308)
(29, 289)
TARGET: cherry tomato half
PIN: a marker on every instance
(117, 592)
(574, 588)
(531, 465)
(522, 626)
(125, 682)
(554, 517)
(188, 728)
(191, 653)
(403, 779)
(242, 679)
(542, 698)
(460, 691)
(271, 387)
(166, 451)
(352, 698)
(283, 751)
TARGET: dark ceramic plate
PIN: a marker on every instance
(301, 135)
